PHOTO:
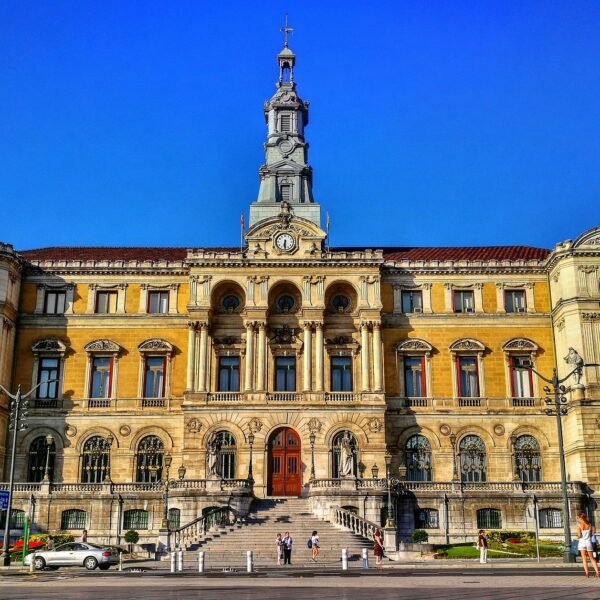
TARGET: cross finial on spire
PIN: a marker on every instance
(286, 30)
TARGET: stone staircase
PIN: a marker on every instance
(226, 546)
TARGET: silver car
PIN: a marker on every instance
(74, 554)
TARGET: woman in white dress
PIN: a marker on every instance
(279, 544)
(585, 531)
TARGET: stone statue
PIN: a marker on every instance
(212, 449)
(346, 456)
(285, 214)
(576, 361)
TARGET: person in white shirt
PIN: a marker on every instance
(315, 545)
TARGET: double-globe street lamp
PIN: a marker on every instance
(557, 406)
(19, 405)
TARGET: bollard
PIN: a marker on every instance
(249, 561)
(31, 566)
(120, 561)
(365, 554)
(180, 560)
(344, 559)
(200, 562)
(172, 562)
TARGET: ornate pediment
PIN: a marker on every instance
(520, 345)
(284, 335)
(589, 238)
(102, 346)
(49, 345)
(467, 345)
(155, 345)
(413, 345)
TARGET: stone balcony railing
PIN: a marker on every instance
(328, 486)
(113, 404)
(483, 404)
(293, 398)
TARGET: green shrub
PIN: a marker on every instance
(420, 536)
(131, 537)
(59, 538)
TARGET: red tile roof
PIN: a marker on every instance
(456, 253)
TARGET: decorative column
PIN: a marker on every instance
(377, 367)
(364, 355)
(307, 384)
(319, 357)
(260, 357)
(191, 356)
(249, 355)
(202, 356)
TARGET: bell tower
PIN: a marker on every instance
(286, 174)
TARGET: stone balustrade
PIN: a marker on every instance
(352, 522)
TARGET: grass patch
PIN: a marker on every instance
(526, 549)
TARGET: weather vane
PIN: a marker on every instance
(286, 30)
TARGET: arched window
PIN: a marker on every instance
(95, 460)
(472, 459)
(38, 453)
(174, 518)
(418, 458)
(344, 442)
(221, 454)
(528, 461)
(149, 459)
(489, 518)
(73, 518)
(550, 518)
(135, 519)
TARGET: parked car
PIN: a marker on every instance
(74, 554)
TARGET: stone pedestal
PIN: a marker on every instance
(390, 540)
(578, 392)
(163, 545)
(213, 484)
(348, 483)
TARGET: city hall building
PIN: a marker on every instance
(291, 368)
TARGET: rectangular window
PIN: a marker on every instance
(101, 377)
(550, 518)
(158, 303)
(55, 303)
(286, 122)
(73, 519)
(106, 303)
(135, 519)
(229, 374)
(412, 301)
(48, 369)
(286, 192)
(285, 374)
(426, 518)
(521, 377)
(341, 374)
(515, 301)
(489, 518)
(468, 377)
(464, 301)
(154, 377)
(414, 376)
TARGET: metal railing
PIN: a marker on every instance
(193, 532)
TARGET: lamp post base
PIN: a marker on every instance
(5, 559)
(568, 556)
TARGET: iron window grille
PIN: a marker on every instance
(489, 518)
(528, 460)
(149, 461)
(472, 455)
(73, 518)
(550, 518)
(418, 458)
(426, 518)
(38, 452)
(135, 519)
(95, 460)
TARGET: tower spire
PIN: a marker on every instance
(286, 29)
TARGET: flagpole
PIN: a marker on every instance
(242, 223)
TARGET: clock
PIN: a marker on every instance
(285, 242)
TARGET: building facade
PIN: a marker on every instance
(289, 368)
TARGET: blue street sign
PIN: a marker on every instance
(4, 495)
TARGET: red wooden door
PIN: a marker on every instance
(285, 478)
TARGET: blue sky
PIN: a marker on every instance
(432, 122)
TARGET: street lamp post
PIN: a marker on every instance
(110, 438)
(251, 442)
(49, 442)
(312, 437)
(454, 465)
(19, 404)
(557, 406)
(165, 522)
(390, 522)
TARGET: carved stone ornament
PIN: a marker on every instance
(520, 345)
(598, 422)
(375, 425)
(590, 316)
(467, 344)
(70, 430)
(124, 430)
(314, 425)
(413, 345)
(499, 429)
(341, 340)
(285, 335)
(49, 345)
(154, 345)
(255, 425)
(445, 429)
(228, 341)
(589, 238)
(102, 346)
(193, 425)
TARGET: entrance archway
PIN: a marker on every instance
(285, 465)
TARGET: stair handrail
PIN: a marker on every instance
(199, 527)
(352, 522)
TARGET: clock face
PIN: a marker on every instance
(285, 242)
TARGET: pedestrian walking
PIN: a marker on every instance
(314, 544)
(287, 548)
(378, 546)
(50, 543)
(280, 549)
(84, 536)
(482, 544)
(586, 534)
